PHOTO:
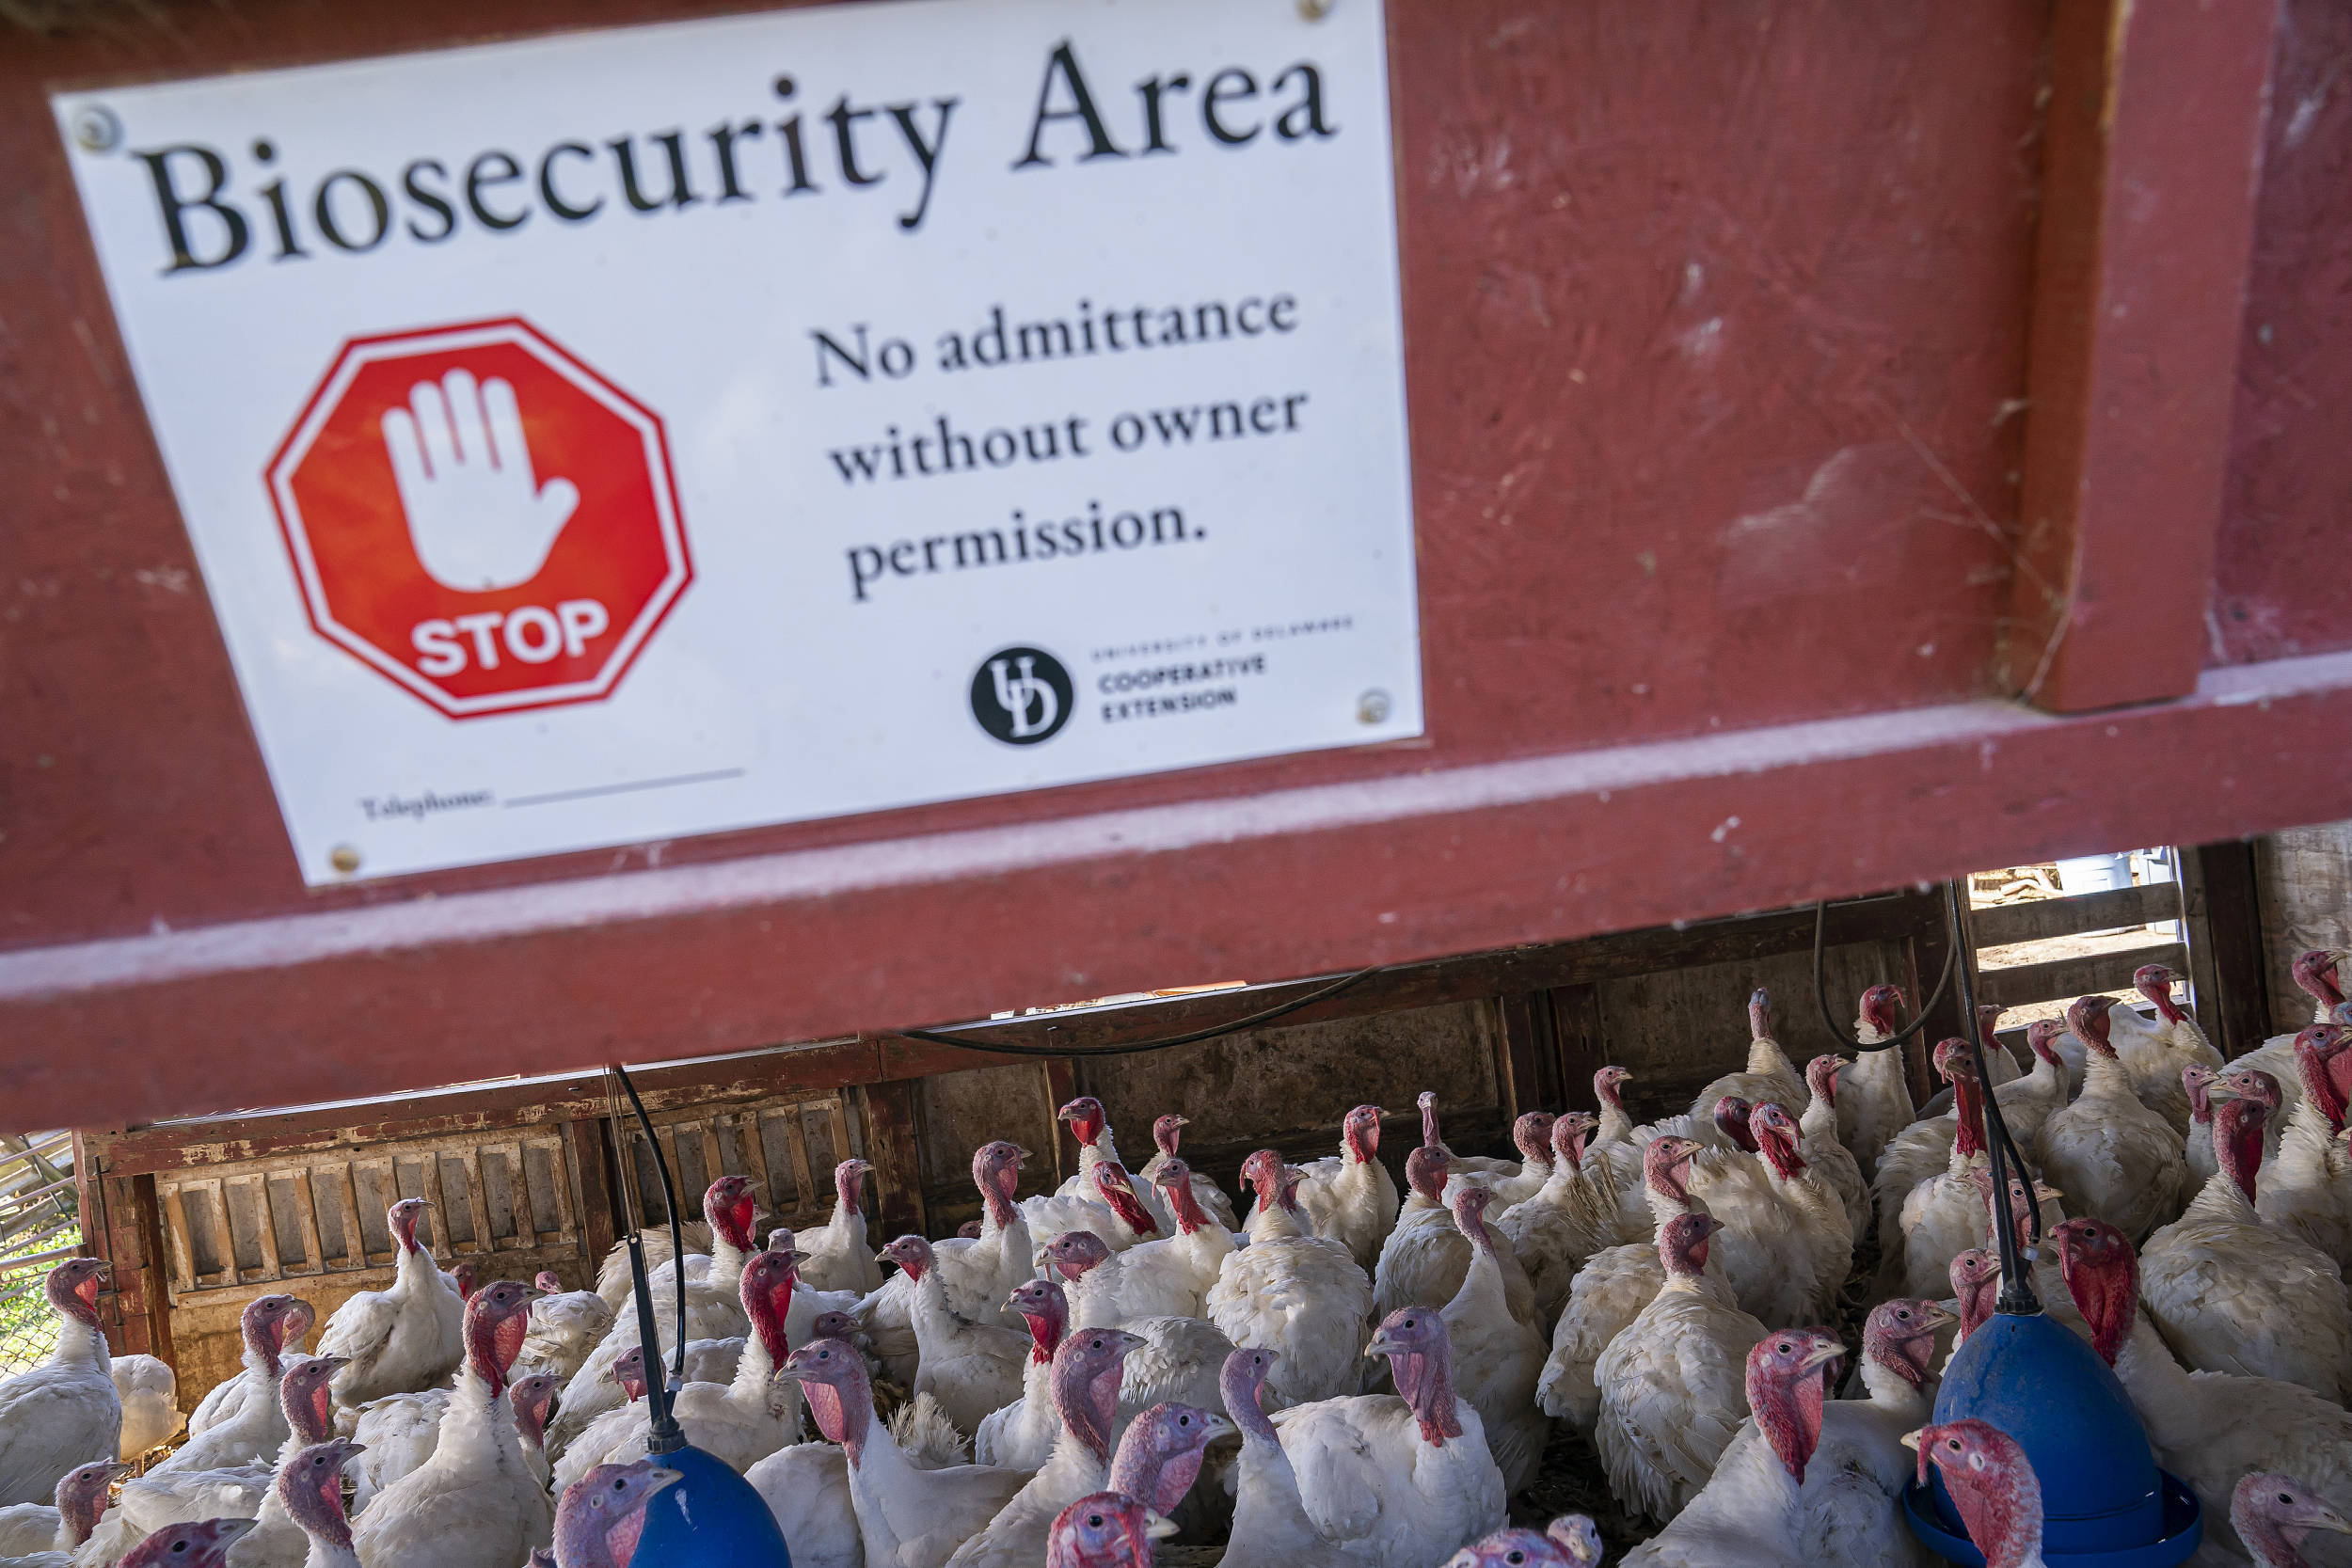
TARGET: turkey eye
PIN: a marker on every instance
(2286, 1498)
(1094, 1521)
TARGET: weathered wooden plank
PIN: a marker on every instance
(2136, 318)
(2221, 900)
(894, 1146)
(585, 1140)
(2072, 915)
(1577, 1037)
(1058, 1078)
(1522, 1035)
(2018, 983)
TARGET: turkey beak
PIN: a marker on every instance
(1937, 1317)
(1820, 1354)
(1158, 1525)
(1216, 1426)
(1910, 1440)
(2327, 1519)
(661, 1476)
(350, 1448)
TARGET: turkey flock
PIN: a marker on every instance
(1333, 1377)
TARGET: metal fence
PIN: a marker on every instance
(39, 1228)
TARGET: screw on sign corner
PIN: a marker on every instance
(481, 516)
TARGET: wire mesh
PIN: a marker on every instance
(40, 1229)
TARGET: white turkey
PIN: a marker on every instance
(226, 1399)
(906, 1517)
(1992, 1485)
(565, 1327)
(1924, 1149)
(150, 1391)
(406, 1338)
(27, 1529)
(1300, 1295)
(602, 1519)
(1874, 1089)
(1530, 1135)
(1824, 1235)
(2153, 1053)
(1671, 1385)
(2113, 1158)
(1769, 1075)
(64, 1413)
(1496, 1358)
(2274, 1514)
(1020, 1435)
(1397, 1481)
(714, 1306)
(738, 1422)
(2232, 1294)
(1824, 1153)
(1945, 1214)
(1349, 1197)
(1091, 1127)
(840, 1257)
(2208, 1428)
(258, 1428)
(310, 1492)
(1422, 1262)
(971, 1369)
(1087, 1367)
(1169, 1277)
(1271, 1527)
(1571, 1217)
(1853, 1483)
(1166, 1136)
(1109, 1206)
(1750, 1512)
(1476, 1164)
(475, 1503)
(978, 1271)
(1158, 1457)
(2307, 1192)
(1612, 1290)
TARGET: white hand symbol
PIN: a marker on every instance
(477, 515)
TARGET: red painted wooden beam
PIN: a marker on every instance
(2154, 162)
(810, 943)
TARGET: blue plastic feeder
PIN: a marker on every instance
(2104, 1503)
(712, 1516)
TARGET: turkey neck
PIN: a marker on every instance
(1897, 1386)
(1968, 1112)
(1425, 1379)
(1615, 1126)
(1085, 1416)
(1482, 1283)
(2237, 1150)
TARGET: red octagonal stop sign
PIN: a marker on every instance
(481, 516)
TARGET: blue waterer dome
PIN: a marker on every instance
(2103, 1502)
(710, 1517)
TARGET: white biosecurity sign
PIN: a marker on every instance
(620, 436)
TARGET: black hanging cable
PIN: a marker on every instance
(1320, 994)
(2017, 1294)
(1820, 992)
(664, 1433)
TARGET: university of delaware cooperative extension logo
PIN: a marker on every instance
(1022, 696)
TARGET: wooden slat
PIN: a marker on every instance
(2138, 313)
(749, 1135)
(306, 1205)
(347, 1197)
(2072, 915)
(1058, 1078)
(893, 1145)
(598, 1210)
(183, 1255)
(223, 1232)
(2223, 908)
(271, 1268)
(802, 1171)
(476, 1198)
(2018, 983)
(1577, 1037)
(1523, 1036)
